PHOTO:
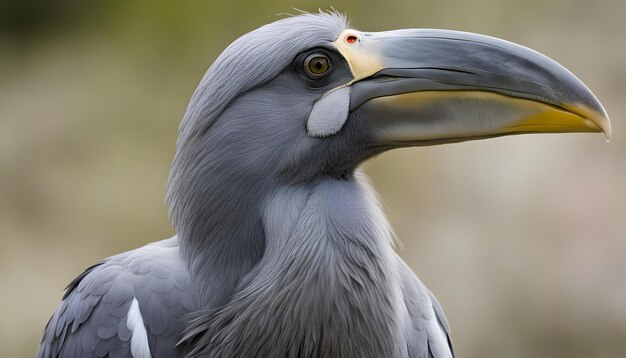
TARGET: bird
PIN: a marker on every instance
(281, 246)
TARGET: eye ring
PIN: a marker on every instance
(317, 65)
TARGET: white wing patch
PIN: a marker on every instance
(139, 347)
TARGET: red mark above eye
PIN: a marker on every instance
(351, 39)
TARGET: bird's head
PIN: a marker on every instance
(306, 96)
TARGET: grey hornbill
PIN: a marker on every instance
(281, 247)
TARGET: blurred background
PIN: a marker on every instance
(522, 239)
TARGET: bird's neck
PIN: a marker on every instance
(327, 270)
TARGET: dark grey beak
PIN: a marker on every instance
(423, 86)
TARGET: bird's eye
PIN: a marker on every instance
(316, 65)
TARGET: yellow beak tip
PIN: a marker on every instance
(595, 119)
(604, 125)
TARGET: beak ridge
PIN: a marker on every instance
(445, 70)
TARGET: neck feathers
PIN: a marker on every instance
(325, 281)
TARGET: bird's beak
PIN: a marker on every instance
(419, 87)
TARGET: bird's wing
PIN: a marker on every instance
(428, 333)
(126, 306)
(441, 318)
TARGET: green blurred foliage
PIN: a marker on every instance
(522, 239)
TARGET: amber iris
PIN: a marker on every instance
(316, 65)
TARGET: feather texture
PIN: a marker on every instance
(281, 248)
(100, 314)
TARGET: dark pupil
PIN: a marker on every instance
(318, 65)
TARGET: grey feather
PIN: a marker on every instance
(91, 319)
(281, 247)
(211, 188)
